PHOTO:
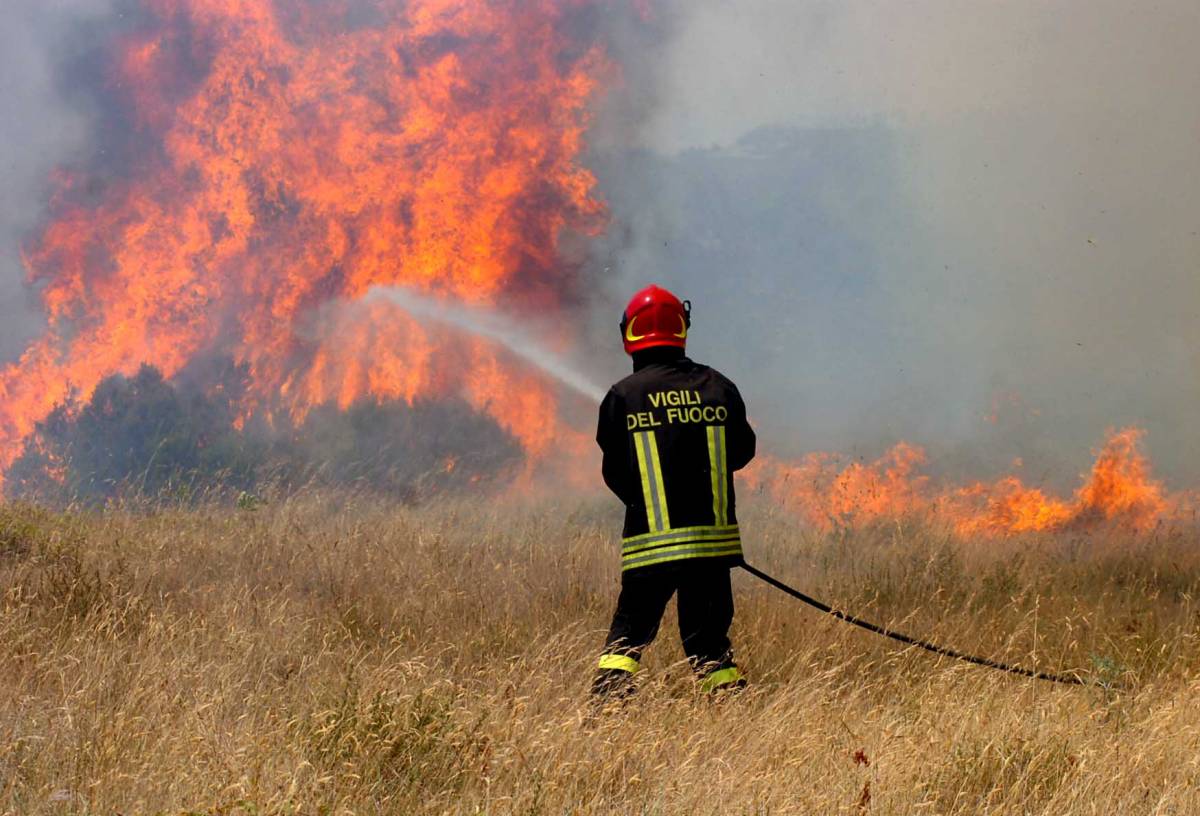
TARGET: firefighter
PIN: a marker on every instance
(672, 434)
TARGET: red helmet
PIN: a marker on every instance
(655, 317)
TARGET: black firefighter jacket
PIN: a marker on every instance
(672, 434)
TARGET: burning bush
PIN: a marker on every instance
(140, 433)
(147, 436)
(401, 449)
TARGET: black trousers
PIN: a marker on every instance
(705, 614)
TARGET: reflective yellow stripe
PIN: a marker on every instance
(623, 663)
(661, 491)
(647, 490)
(714, 472)
(681, 552)
(720, 479)
(721, 677)
(638, 542)
(653, 492)
(717, 544)
(686, 538)
(680, 556)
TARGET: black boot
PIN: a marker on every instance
(612, 684)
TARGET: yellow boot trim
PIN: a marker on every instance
(719, 678)
(619, 663)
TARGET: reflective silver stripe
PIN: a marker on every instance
(653, 491)
(688, 550)
(647, 490)
(690, 538)
(681, 552)
(720, 479)
(680, 534)
(714, 543)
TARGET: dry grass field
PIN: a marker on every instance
(334, 654)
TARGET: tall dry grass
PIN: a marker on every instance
(332, 654)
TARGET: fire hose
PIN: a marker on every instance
(1053, 677)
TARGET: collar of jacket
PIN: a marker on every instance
(658, 354)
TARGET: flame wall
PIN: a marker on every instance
(284, 157)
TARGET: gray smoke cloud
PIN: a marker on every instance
(970, 225)
(41, 128)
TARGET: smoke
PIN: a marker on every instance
(972, 226)
(41, 129)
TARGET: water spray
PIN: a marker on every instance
(494, 326)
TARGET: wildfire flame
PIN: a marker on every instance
(1119, 490)
(293, 155)
(282, 159)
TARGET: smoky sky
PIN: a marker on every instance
(968, 225)
(973, 226)
(43, 126)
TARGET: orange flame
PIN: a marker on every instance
(1118, 491)
(293, 155)
(830, 496)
